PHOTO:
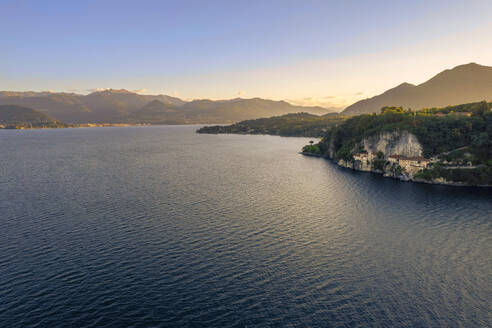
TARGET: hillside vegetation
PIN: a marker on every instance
(454, 135)
(290, 125)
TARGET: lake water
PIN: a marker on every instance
(162, 227)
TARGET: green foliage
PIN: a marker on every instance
(379, 164)
(481, 175)
(476, 108)
(426, 174)
(392, 109)
(436, 134)
(290, 125)
(396, 169)
(345, 152)
(311, 149)
(462, 139)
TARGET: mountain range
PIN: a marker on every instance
(222, 111)
(462, 84)
(122, 106)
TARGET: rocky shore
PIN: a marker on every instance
(396, 155)
(401, 177)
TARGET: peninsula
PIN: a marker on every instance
(290, 125)
(450, 145)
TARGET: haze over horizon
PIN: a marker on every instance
(304, 52)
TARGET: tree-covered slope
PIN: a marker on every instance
(298, 124)
(457, 138)
(437, 129)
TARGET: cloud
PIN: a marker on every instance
(97, 89)
(336, 104)
(144, 90)
(73, 90)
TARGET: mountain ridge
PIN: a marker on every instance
(461, 84)
(121, 106)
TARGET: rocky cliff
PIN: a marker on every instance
(378, 149)
(394, 143)
(389, 143)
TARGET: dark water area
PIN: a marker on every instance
(162, 227)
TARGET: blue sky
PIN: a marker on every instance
(319, 52)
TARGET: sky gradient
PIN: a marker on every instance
(328, 53)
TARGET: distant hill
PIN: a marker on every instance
(157, 112)
(462, 84)
(295, 125)
(222, 111)
(13, 115)
(112, 106)
(67, 107)
(101, 106)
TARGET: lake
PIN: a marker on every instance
(162, 227)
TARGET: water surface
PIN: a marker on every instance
(162, 227)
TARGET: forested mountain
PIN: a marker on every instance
(462, 84)
(125, 106)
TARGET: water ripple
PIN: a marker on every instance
(160, 227)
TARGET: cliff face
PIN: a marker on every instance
(400, 143)
(394, 143)
(331, 149)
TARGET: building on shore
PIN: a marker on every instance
(364, 161)
(363, 157)
(411, 164)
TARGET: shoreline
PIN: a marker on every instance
(106, 125)
(256, 134)
(75, 126)
(413, 180)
